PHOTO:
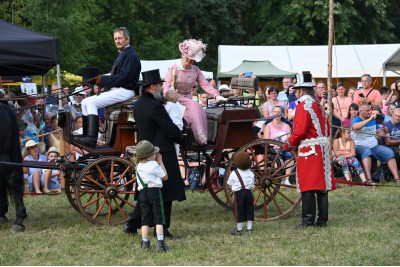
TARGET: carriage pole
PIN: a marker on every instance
(329, 81)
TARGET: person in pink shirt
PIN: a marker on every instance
(341, 103)
(182, 77)
(367, 93)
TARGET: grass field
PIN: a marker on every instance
(364, 229)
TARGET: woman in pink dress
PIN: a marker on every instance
(182, 77)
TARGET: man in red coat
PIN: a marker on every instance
(309, 139)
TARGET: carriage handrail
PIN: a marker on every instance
(34, 164)
(259, 119)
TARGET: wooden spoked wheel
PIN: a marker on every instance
(273, 198)
(104, 191)
(215, 180)
(70, 192)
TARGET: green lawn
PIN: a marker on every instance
(364, 229)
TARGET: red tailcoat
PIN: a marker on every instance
(309, 138)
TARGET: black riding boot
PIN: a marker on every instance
(308, 208)
(322, 201)
(90, 140)
(85, 122)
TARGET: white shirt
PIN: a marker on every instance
(247, 177)
(175, 114)
(151, 174)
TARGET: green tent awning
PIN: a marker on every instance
(262, 69)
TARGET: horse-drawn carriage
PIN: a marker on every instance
(101, 184)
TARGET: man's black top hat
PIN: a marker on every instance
(90, 73)
(150, 77)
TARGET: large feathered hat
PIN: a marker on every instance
(193, 49)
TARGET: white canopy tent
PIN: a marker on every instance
(391, 64)
(348, 60)
(164, 65)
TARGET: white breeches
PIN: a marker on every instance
(91, 104)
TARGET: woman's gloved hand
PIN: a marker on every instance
(220, 98)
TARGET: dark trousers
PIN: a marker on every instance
(135, 219)
(243, 206)
(309, 201)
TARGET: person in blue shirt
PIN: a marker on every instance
(391, 130)
(364, 129)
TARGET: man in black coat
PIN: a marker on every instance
(155, 125)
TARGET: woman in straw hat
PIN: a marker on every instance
(34, 152)
(182, 77)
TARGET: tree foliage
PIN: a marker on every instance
(84, 27)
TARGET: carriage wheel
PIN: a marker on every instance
(273, 199)
(215, 181)
(70, 192)
(105, 191)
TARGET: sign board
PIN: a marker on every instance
(29, 88)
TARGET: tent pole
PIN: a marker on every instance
(59, 86)
(384, 77)
(329, 81)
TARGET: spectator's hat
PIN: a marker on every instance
(224, 87)
(32, 143)
(193, 49)
(22, 125)
(242, 160)
(52, 150)
(145, 149)
(79, 90)
(151, 76)
(307, 82)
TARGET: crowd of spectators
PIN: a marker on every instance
(40, 135)
(361, 113)
(367, 119)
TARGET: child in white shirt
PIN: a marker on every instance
(241, 181)
(150, 173)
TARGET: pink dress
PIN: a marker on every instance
(194, 114)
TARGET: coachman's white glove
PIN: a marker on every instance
(220, 98)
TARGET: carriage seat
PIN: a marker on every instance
(222, 115)
(112, 113)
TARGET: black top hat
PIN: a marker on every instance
(88, 73)
(150, 77)
(307, 83)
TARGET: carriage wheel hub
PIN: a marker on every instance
(111, 192)
(266, 181)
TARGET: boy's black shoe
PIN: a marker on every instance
(145, 244)
(161, 246)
